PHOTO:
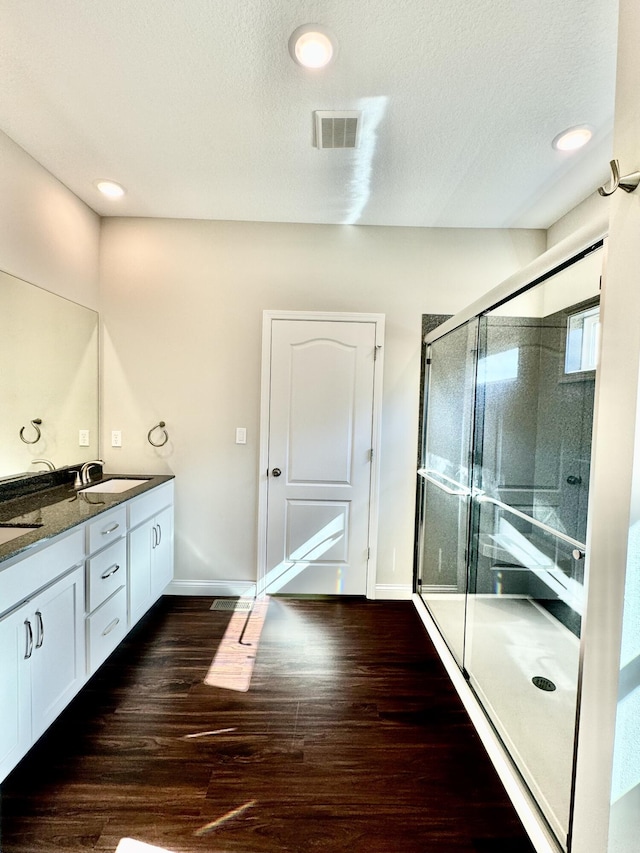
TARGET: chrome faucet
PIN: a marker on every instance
(85, 477)
(47, 462)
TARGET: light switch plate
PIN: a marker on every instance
(241, 435)
(83, 438)
(116, 438)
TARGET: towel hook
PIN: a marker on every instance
(628, 183)
(164, 440)
(35, 423)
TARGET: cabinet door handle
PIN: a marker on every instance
(40, 638)
(154, 537)
(110, 571)
(29, 648)
(110, 529)
(111, 626)
(159, 534)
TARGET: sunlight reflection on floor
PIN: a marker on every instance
(232, 666)
(209, 827)
(130, 845)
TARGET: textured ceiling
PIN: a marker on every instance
(197, 108)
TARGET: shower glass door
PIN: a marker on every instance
(532, 451)
(505, 480)
(445, 478)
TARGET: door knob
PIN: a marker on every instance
(573, 480)
(276, 472)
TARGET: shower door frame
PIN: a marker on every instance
(421, 486)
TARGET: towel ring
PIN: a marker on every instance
(35, 423)
(164, 440)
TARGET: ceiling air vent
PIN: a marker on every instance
(337, 128)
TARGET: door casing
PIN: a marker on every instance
(265, 384)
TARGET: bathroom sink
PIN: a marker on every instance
(114, 486)
(12, 531)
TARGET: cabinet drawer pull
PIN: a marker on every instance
(110, 529)
(29, 648)
(111, 626)
(110, 571)
(40, 639)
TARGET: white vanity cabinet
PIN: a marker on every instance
(57, 659)
(15, 696)
(65, 608)
(150, 548)
(42, 644)
(106, 585)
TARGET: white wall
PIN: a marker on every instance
(182, 306)
(607, 798)
(47, 235)
(589, 211)
(624, 263)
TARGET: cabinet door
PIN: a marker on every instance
(16, 645)
(58, 659)
(162, 559)
(140, 550)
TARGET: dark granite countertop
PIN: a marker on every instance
(62, 507)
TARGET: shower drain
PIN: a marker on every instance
(543, 683)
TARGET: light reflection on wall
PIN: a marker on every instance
(626, 759)
(499, 366)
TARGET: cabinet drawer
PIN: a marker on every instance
(106, 572)
(29, 574)
(107, 528)
(147, 505)
(106, 628)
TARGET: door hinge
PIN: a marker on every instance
(428, 361)
(375, 351)
(368, 553)
(371, 455)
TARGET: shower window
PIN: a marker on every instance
(504, 497)
(583, 334)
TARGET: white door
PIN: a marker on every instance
(320, 449)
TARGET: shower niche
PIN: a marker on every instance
(503, 487)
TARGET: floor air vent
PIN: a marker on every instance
(232, 604)
(337, 128)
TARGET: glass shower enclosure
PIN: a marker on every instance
(503, 498)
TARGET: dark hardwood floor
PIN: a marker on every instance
(350, 738)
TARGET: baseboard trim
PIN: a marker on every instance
(541, 836)
(244, 589)
(393, 592)
(384, 591)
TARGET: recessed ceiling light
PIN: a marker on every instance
(572, 138)
(110, 189)
(311, 46)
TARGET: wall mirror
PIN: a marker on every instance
(48, 380)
